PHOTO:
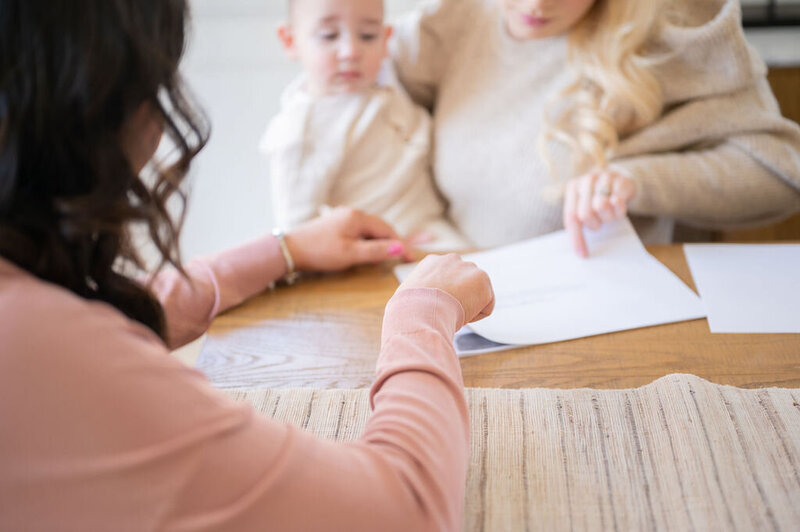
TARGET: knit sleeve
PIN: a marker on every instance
(719, 160)
(421, 44)
(719, 187)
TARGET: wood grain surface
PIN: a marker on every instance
(325, 333)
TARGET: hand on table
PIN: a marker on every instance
(592, 200)
(462, 280)
(344, 237)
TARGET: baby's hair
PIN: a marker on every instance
(615, 91)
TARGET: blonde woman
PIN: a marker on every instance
(658, 108)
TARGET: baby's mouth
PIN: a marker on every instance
(534, 21)
(349, 75)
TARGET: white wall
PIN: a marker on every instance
(237, 71)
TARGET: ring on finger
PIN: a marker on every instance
(602, 191)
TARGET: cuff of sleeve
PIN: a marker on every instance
(212, 277)
(620, 168)
(422, 308)
(639, 203)
(418, 331)
(246, 270)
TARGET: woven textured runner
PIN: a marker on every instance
(678, 454)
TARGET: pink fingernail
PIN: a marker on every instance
(396, 249)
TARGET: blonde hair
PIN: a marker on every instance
(615, 91)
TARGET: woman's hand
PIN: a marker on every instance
(341, 238)
(462, 280)
(594, 199)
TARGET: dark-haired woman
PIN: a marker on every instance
(99, 428)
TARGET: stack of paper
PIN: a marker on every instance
(546, 293)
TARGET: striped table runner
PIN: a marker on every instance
(678, 454)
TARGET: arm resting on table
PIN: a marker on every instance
(216, 283)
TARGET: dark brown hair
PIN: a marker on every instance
(71, 73)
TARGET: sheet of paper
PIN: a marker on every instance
(748, 288)
(545, 293)
(467, 343)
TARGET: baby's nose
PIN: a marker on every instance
(348, 47)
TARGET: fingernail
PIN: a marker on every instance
(396, 249)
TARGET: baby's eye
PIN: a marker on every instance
(369, 36)
(328, 35)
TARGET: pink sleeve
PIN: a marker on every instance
(104, 428)
(407, 471)
(216, 283)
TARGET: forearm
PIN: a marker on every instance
(406, 472)
(420, 412)
(216, 283)
(408, 469)
(716, 188)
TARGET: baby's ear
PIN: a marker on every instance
(286, 36)
(387, 32)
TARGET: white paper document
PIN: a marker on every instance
(545, 293)
(467, 342)
(748, 288)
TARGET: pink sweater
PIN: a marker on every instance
(101, 430)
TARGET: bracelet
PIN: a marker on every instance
(291, 274)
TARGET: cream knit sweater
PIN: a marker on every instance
(720, 156)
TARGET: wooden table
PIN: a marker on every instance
(325, 333)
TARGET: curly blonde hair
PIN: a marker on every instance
(615, 91)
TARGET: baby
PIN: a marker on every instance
(347, 133)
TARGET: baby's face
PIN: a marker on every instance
(537, 19)
(341, 43)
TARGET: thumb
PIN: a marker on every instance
(376, 250)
